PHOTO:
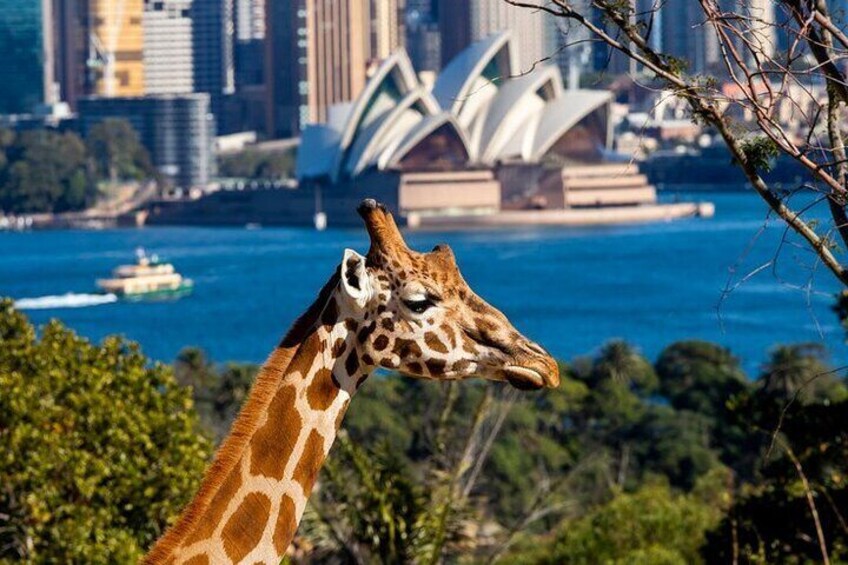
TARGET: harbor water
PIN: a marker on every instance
(736, 279)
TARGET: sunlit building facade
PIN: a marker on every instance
(117, 40)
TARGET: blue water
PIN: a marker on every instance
(570, 289)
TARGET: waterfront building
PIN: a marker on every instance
(317, 55)
(477, 143)
(176, 129)
(27, 63)
(117, 54)
(476, 149)
(168, 52)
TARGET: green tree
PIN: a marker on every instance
(653, 525)
(259, 165)
(799, 371)
(99, 449)
(699, 376)
(117, 152)
(46, 172)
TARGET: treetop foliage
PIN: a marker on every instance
(99, 448)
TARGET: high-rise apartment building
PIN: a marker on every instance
(168, 53)
(117, 45)
(317, 54)
(26, 64)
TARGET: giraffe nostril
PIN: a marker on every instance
(534, 347)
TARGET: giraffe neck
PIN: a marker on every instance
(250, 502)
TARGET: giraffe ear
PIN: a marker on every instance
(356, 284)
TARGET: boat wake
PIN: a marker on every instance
(69, 300)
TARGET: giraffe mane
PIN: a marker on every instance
(232, 448)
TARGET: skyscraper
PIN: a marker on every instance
(388, 27)
(70, 23)
(212, 51)
(316, 56)
(454, 27)
(168, 57)
(117, 45)
(685, 36)
(423, 40)
(249, 42)
(26, 65)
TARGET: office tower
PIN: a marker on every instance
(316, 56)
(26, 64)
(423, 40)
(249, 42)
(168, 63)
(388, 27)
(763, 30)
(454, 27)
(117, 47)
(684, 35)
(212, 50)
(71, 42)
(176, 130)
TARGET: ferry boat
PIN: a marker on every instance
(147, 278)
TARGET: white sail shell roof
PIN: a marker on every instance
(495, 115)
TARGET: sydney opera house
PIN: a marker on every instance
(481, 144)
(484, 139)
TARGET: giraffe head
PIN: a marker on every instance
(416, 314)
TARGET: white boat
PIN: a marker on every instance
(148, 277)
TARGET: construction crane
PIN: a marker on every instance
(102, 49)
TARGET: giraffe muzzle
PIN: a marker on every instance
(532, 371)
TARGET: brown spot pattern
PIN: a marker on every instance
(435, 343)
(245, 527)
(217, 507)
(310, 462)
(198, 560)
(273, 443)
(435, 366)
(352, 363)
(406, 348)
(286, 525)
(381, 342)
(322, 390)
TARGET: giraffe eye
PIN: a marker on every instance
(419, 306)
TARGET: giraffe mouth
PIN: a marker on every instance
(524, 378)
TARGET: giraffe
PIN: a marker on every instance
(392, 308)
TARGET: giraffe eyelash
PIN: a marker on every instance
(419, 305)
